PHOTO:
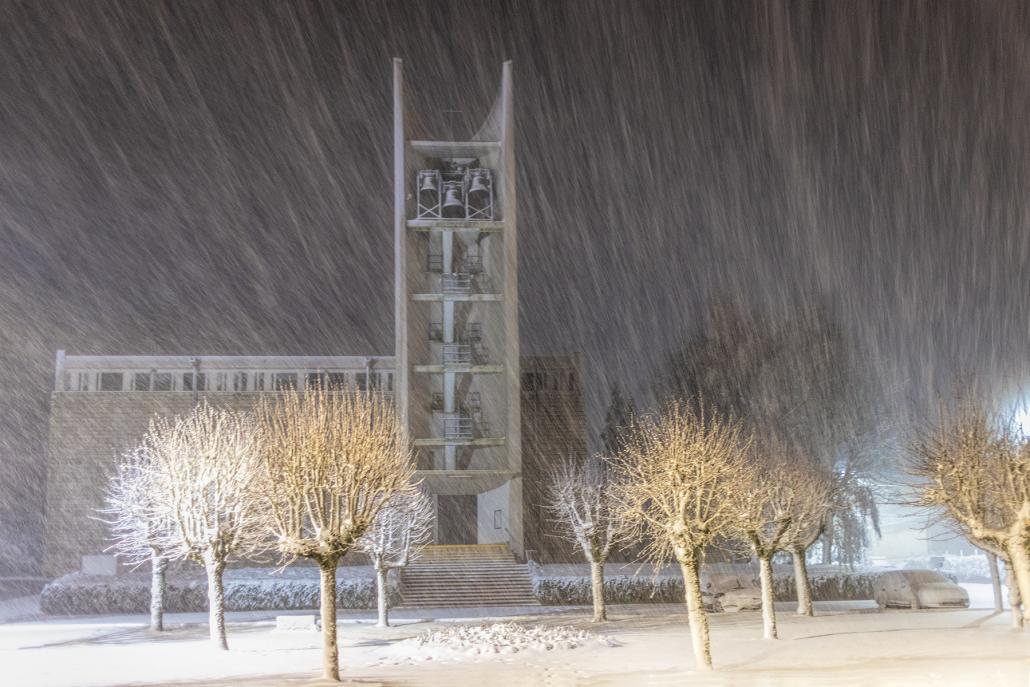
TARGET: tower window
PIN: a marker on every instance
(337, 381)
(187, 381)
(110, 381)
(281, 381)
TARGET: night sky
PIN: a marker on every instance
(215, 178)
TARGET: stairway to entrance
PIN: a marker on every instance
(466, 575)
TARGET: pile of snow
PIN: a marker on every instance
(495, 639)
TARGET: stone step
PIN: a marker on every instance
(467, 594)
(483, 593)
(467, 600)
(452, 572)
(419, 582)
(456, 558)
(479, 587)
(458, 576)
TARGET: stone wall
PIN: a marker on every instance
(553, 429)
(88, 432)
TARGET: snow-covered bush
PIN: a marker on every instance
(835, 586)
(623, 589)
(574, 590)
(245, 590)
(78, 594)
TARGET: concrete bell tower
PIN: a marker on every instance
(456, 305)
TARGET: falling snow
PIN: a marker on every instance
(197, 178)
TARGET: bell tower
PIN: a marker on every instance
(456, 309)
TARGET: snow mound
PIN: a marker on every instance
(496, 639)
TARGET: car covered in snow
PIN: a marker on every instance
(733, 592)
(918, 589)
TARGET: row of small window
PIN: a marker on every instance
(225, 381)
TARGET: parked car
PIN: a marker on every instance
(918, 589)
(734, 592)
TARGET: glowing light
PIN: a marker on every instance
(1023, 419)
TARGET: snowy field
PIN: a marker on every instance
(850, 644)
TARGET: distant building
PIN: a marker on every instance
(485, 423)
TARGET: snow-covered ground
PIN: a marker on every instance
(982, 595)
(642, 645)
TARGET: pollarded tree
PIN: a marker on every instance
(997, 553)
(974, 470)
(129, 512)
(203, 468)
(773, 506)
(332, 460)
(397, 535)
(811, 507)
(580, 497)
(797, 374)
(677, 473)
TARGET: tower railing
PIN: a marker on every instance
(457, 354)
(457, 426)
(434, 262)
(457, 282)
(470, 405)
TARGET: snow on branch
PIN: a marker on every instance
(332, 462)
(580, 498)
(403, 526)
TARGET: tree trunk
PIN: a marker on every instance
(330, 651)
(597, 587)
(1019, 565)
(696, 615)
(158, 564)
(768, 610)
(216, 602)
(992, 564)
(1014, 601)
(801, 582)
(384, 619)
(828, 541)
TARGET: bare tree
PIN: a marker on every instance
(778, 502)
(676, 472)
(581, 499)
(997, 554)
(397, 535)
(203, 468)
(810, 508)
(798, 374)
(974, 470)
(1015, 600)
(135, 529)
(332, 461)
(992, 566)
